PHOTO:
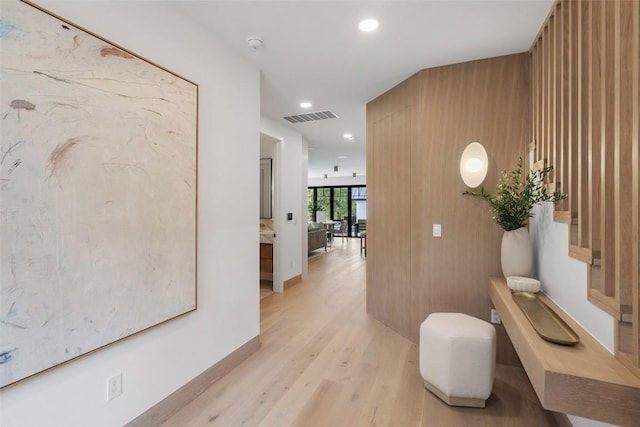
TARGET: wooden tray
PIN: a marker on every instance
(544, 320)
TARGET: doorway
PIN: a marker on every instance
(269, 224)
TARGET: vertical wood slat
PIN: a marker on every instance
(623, 128)
(558, 106)
(540, 91)
(541, 99)
(607, 206)
(552, 66)
(635, 182)
(545, 96)
(535, 103)
(595, 141)
(574, 113)
(584, 191)
(540, 142)
(532, 111)
(628, 330)
(566, 98)
(604, 275)
(622, 156)
(548, 95)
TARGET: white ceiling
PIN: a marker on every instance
(314, 51)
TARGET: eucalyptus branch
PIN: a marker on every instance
(515, 196)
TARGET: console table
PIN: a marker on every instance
(584, 380)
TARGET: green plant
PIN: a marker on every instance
(312, 205)
(516, 196)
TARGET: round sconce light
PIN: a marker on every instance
(368, 25)
(474, 164)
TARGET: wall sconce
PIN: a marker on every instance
(335, 168)
(474, 164)
(354, 175)
(325, 176)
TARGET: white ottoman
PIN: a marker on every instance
(458, 358)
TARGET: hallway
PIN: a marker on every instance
(324, 362)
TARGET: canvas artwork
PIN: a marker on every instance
(97, 192)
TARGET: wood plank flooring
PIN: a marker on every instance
(266, 288)
(324, 362)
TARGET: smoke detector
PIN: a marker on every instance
(255, 42)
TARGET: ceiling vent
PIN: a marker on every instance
(311, 117)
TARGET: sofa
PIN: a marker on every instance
(317, 237)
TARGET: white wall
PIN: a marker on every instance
(156, 362)
(564, 280)
(304, 179)
(292, 194)
(266, 147)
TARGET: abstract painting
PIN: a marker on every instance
(98, 192)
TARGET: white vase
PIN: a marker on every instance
(516, 253)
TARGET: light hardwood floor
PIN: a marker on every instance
(266, 288)
(324, 362)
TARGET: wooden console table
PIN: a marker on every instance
(584, 380)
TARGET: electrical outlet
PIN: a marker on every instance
(114, 386)
(437, 230)
(495, 317)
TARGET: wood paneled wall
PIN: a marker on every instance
(416, 133)
(585, 113)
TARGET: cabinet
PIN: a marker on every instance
(266, 261)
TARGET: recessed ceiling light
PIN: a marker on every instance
(342, 157)
(348, 136)
(368, 25)
(305, 104)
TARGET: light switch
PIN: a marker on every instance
(437, 230)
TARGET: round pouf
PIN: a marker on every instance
(458, 358)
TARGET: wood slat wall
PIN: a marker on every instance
(416, 133)
(389, 209)
(588, 130)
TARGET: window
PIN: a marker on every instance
(338, 203)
